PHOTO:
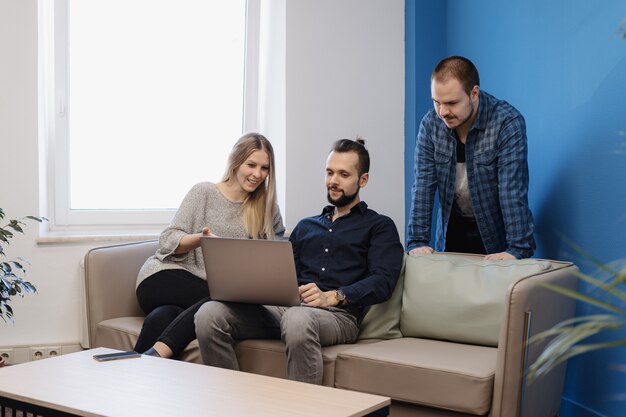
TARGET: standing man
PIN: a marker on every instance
(347, 258)
(472, 149)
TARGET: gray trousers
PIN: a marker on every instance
(304, 330)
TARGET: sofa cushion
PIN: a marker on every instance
(382, 321)
(447, 297)
(122, 333)
(438, 374)
(268, 357)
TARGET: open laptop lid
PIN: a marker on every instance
(252, 271)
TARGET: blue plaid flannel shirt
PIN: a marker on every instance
(497, 171)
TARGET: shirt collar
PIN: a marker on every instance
(481, 116)
(361, 207)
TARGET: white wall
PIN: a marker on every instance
(344, 69)
(53, 315)
(345, 77)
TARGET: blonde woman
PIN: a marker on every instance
(171, 285)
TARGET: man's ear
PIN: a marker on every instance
(475, 93)
(363, 179)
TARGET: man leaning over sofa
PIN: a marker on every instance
(347, 258)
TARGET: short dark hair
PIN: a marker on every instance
(357, 146)
(457, 67)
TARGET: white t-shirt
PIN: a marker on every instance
(461, 192)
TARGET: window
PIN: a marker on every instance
(141, 100)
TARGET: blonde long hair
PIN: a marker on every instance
(259, 208)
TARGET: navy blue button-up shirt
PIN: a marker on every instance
(359, 253)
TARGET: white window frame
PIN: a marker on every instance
(53, 87)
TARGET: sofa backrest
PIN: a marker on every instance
(454, 297)
(110, 276)
(447, 297)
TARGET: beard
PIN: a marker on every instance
(344, 199)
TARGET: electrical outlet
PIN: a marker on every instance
(37, 353)
(7, 354)
(53, 351)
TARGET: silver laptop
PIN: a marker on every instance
(251, 271)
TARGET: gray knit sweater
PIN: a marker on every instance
(203, 206)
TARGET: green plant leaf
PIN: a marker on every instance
(605, 320)
(39, 219)
(583, 297)
(598, 263)
(29, 287)
(12, 285)
(15, 225)
(4, 236)
(610, 288)
(541, 367)
(18, 266)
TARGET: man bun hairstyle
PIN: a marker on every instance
(457, 67)
(357, 146)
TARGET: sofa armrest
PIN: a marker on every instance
(110, 276)
(530, 309)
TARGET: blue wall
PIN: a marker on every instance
(563, 66)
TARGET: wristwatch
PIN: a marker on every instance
(340, 296)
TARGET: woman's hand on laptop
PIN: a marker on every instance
(207, 232)
(190, 242)
(311, 295)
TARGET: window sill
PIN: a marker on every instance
(88, 236)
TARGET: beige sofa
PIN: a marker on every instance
(431, 359)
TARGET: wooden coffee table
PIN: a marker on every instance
(76, 384)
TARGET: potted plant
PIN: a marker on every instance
(12, 282)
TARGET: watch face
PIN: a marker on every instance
(341, 295)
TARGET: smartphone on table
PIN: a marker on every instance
(116, 355)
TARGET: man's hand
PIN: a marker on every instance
(502, 256)
(422, 249)
(312, 296)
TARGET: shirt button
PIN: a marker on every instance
(323, 269)
(326, 250)
(330, 230)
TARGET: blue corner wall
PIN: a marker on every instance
(562, 64)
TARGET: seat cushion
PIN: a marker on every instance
(433, 373)
(122, 333)
(119, 333)
(268, 357)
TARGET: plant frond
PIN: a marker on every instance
(546, 363)
(621, 276)
(598, 263)
(16, 225)
(610, 288)
(38, 219)
(585, 298)
(604, 321)
(11, 283)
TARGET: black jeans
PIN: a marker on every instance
(463, 234)
(170, 299)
